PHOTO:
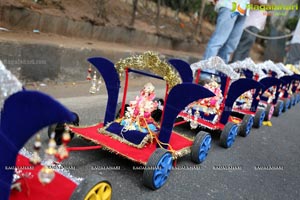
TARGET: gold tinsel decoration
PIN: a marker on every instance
(150, 61)
(293, 68)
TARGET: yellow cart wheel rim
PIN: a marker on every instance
(101, 191)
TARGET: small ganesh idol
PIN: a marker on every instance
(139, 110)
(213, 102)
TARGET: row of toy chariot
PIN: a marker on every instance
(229, 101)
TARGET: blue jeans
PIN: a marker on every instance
(293, 56)
(242, 51)
(227, 35)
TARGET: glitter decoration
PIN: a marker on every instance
(93, 87)
(46, 175)
(19, 174)
(36, 159)
(50, 152)
(215, 63)
(250, 65)
(269, 65)
(99, 84)
(89, 76)
(9, 84)
(57, 168)
(150, 61)
(194, 124)
(16, 176)
(282, 67)
(62, 151)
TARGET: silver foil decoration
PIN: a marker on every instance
(262, 67)
(57, 167)
(215, 63)
(269, 65)
(9, 84)
(249, 64)
(282, 67)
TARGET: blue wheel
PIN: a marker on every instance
(259, 118)
(246, 125)
(201, 146)
(228, 135)
(158, 169)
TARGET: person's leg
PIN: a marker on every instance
(247, 40)
(233, 39)
(225, 23)
(293, 55)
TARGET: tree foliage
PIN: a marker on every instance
(183, 5)
(291, 23)
(191, 6)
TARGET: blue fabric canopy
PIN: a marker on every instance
(268, 82)
(24, 114)
(179, 97)
(183, 69)
(112, 83)
(237, 88)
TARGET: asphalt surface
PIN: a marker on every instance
(264, 165)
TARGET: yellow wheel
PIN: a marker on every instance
(100, 191)
(93, 188)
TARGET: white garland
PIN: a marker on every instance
(284, 69)
(9, 84)
(215, 63)
(269, 65)
(250, 65)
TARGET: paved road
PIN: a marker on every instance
(265, 165)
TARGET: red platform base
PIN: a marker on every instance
(245, 112)
(139, 155)
(204, 123)
(60, 188)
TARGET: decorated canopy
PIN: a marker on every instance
(150, 61)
